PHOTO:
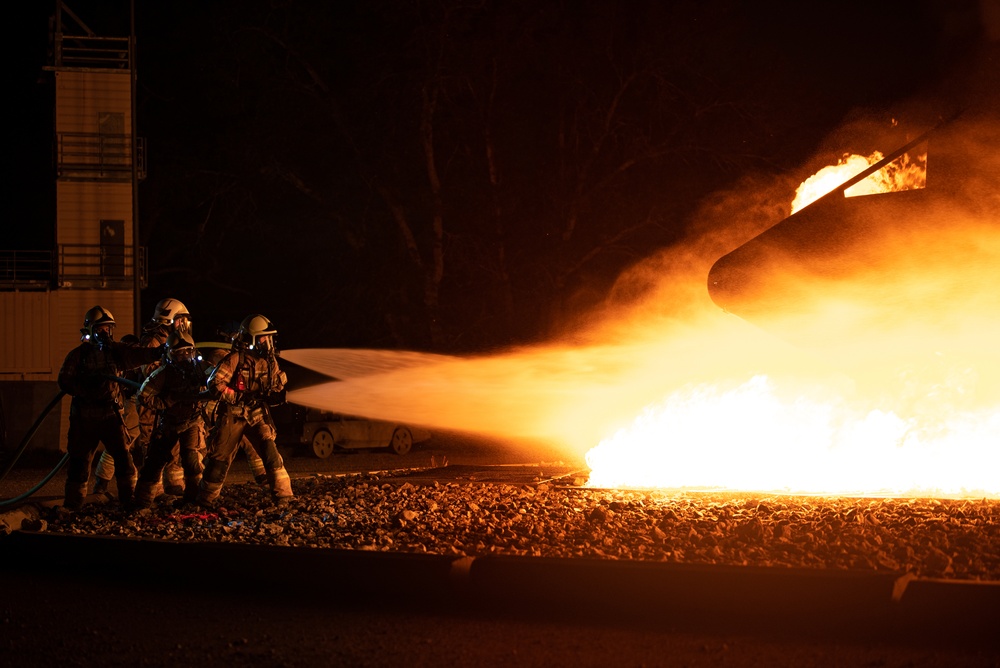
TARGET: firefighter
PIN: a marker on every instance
(169, 315)
(175, 391)
(226, 334)
(244, 382)
(89, 374)
(104, 471)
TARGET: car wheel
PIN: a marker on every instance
(322, 444)
(402, 441)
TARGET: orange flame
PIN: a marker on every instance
(903, 173)
(756, 437)
(932, 429)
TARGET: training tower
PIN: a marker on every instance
(94, 257)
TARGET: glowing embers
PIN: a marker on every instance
(757, 436)
(903, 173)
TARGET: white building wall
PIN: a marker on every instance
(40, 328)
(26, 332)
(82, 95)
(82, 205)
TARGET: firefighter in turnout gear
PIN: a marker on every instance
(244, 382)
(169, 315)
(213, 355)
(89, 374)
(176, 392)
(105, 469)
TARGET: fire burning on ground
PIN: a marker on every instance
(755, 437)
(873, 370)
(920, 415)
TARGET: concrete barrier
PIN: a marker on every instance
(752, 599)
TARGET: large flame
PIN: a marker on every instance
(756, 437)
(922, 418)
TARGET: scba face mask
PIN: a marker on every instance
(102, 338)
(185, 356)
(265, 345)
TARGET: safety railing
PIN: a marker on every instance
(72, 266)
(90, 51)
(97, 266)
(98, 156)
(25, 270)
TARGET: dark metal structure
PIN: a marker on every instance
(777, 279)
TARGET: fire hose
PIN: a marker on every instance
(31, 432)
(24, 444)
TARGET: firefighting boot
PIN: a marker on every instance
(173, 479)
(192, 483)
(75, 492)
(211, 482)
(101, 486)
(281, 485)
(145, 492)
(156, 489)
(126, 487)
(208, 493)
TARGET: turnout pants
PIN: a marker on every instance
(254, 461)
(167, 445)
(141, 424)
(230, 429)
(85, 435)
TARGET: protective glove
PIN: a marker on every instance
(280, 380)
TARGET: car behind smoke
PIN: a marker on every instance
(324, 432)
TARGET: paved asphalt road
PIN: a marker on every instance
(75, 616)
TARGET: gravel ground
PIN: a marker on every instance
(954, 539)
(77, 617)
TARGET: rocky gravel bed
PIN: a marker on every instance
(955, 539)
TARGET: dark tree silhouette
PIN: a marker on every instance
(456, 175)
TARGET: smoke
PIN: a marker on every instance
(656, 332)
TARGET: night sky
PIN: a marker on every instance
(462, 176)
